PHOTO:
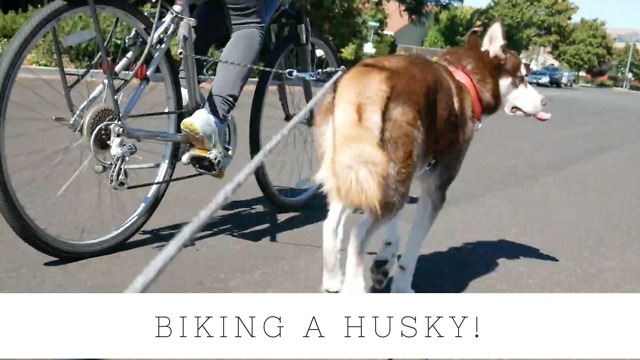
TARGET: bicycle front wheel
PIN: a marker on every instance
(285, 178)
(53, 193)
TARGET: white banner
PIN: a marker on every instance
(281, 326)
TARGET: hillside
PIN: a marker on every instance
(625, 35)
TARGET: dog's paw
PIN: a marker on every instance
(332, 284)
(380, 273)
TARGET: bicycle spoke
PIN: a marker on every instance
(48, 165)
(75, 174)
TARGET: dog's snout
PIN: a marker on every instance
(544, 101)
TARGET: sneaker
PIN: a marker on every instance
(204, 131)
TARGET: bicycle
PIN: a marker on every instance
(142, 62)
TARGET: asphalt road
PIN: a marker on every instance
(538, 207)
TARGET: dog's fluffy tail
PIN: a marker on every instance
(353, 167)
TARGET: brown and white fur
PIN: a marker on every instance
(378, 129)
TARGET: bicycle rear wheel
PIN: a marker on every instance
(287, 182)
(52, 193)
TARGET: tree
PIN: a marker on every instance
(344, 23)
(621, 57)
(422, 7)
(587, 46)
(527, 23)
(450, 27)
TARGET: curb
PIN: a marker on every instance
(626, 91)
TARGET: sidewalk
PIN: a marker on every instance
(626, 90)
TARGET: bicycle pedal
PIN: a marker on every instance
(207, 167)
(205, 162)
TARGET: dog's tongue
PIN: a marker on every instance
(542, 116)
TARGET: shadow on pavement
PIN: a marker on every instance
(452, 270)
(249, 219)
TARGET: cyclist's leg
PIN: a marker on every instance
(243, 47)
(211, 29)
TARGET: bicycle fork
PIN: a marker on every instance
(304, 34)
(303, 30)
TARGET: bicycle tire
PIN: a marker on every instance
(261, 174)
(22, 225)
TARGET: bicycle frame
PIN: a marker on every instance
(176, 23)
(170, 24)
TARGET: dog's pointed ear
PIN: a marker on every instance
(473, 37)
(493, 41)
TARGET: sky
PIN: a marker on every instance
(624, 14)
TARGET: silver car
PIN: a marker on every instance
(539, 77)
(569, 78)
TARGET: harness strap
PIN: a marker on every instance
(466, 80)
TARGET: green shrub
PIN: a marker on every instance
(353, 52)
(79, 56)
(347, 30)
(604, 83)
(3, 45)
(344, 23)
(585, 80)
(617, 80)
(11, 22)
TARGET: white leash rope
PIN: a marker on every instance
(151, 272)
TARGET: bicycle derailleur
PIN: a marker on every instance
(103, 134)
(121, 153)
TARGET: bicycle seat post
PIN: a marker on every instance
(186, 52)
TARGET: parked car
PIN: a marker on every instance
(555, 75)
(569, 78)
(539, 77)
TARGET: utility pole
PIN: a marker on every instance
(627, 84)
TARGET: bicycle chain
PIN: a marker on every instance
(291, 73)
(185, 177)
